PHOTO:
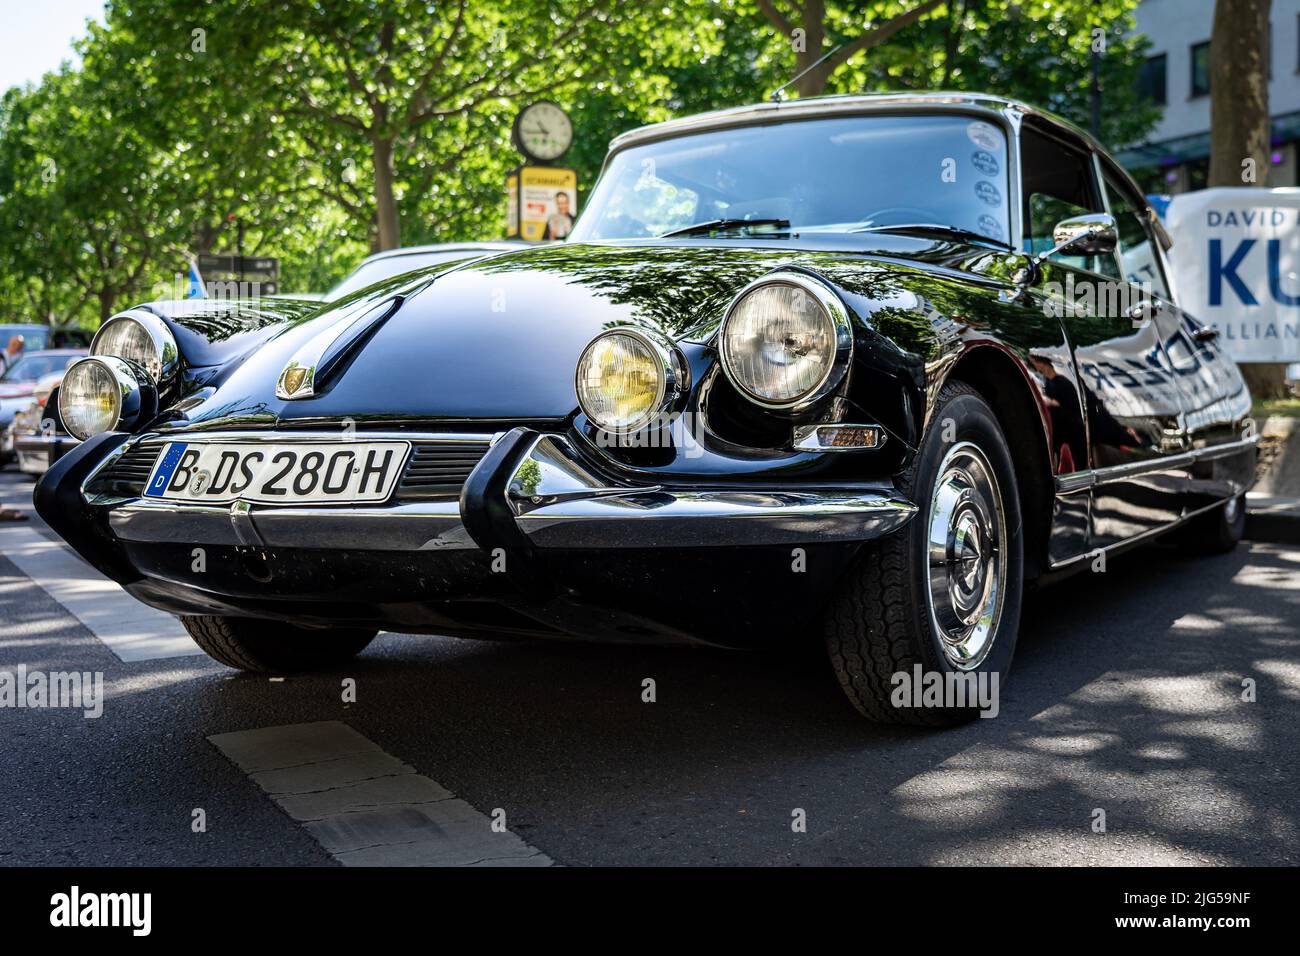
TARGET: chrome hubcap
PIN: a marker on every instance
(967, 572)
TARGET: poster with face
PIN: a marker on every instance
(547, 203)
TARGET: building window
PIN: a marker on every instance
(1151, 79)
(1201, 69)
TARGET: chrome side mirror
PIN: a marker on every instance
(1092, 234)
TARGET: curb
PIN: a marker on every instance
(1272, 519)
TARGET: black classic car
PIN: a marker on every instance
(853, 370)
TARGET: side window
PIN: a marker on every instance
(1137, 253)
(1058, 184)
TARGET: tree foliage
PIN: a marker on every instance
(322, 130)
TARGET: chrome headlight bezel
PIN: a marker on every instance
(673, 376)
(135, 395)
(166, 357)
(840, 326)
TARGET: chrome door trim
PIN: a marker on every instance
(1092, 553)
(1093, 477)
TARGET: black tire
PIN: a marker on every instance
(1218, 531)
(880, 622)
(272, 647)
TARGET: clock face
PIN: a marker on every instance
(543, 131)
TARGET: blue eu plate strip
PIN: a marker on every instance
(163, 471)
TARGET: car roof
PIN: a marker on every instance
(844, 103)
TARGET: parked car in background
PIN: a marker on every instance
(18, 385)
(785, 382)
(37, 337)
(394, 262)
(385, 265)
(39, 436)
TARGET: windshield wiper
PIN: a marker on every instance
(933, 228)
(718, 225)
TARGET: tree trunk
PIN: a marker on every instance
(1239, 122)
(106, 299)
(1240, 127)
(390, 229)
(813, 82)
(1266, 380)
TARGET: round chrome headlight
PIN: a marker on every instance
(785, 341)
(628, 376)
(142, 338)
(103, 394)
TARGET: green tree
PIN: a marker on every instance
(386, 94)
(83, 231)
(1040, 52)
(808, 24)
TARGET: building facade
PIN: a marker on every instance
(1177, 77)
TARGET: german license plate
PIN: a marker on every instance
(305, 472)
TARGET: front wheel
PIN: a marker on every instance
(923, 627)
(272, 647)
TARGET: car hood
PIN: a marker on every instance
(498, 339)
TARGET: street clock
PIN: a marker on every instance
(543, 132)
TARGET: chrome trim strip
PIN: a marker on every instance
(1092, 477)
(558, 503)
(768, 112)
(420, 526)
(1092, 553)
(289, 436)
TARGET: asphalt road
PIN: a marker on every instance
(1126, 698)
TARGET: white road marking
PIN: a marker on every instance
(365, 807)
(131, 630)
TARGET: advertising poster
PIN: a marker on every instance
(543, 203)
(1236, 265)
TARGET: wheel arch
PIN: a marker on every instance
(1005, 383)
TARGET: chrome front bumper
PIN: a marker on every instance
(550, 499)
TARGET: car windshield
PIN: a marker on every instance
(820, 175)
(30, 368)
(377, 270)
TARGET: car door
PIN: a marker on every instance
(1216, 402)
(1133, 407)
